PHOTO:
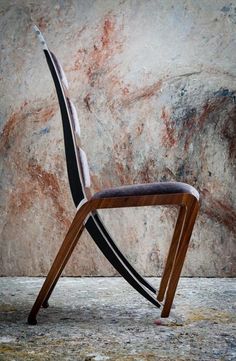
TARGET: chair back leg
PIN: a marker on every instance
(192, 210)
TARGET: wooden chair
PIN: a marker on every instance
(164, 193)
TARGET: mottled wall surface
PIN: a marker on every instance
(154, 83)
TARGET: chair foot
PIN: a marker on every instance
(160, 296)
(45, 304)
(32, 321)
(165, 313)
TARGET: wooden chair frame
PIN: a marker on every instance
(88, 217)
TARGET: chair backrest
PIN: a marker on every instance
(76, 160)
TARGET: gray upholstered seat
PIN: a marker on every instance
(147, 189)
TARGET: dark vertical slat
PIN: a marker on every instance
(72, 167)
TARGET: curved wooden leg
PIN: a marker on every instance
(172, 253)
(45, 302)
(60, 261)
(180, 257)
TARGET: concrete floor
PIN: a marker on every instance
(96, 319)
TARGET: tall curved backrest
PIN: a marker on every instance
(76, 160)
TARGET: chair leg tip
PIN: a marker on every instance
(160, 298)
(32, 321)
(45, 304)
(165, 314)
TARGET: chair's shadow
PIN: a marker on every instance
(95, 314)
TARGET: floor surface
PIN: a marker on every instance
(97, 319)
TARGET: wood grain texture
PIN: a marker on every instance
(172, 252)
(192, 210)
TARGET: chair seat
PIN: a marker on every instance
(147, 189)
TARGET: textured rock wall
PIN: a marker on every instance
(154, 85)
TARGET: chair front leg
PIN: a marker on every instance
(60, 261)
(172, 253)
(190, 218)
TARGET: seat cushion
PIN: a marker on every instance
(147, 189)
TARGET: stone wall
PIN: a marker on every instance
(154, 83)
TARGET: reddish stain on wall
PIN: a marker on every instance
(48, 184)
(87, 101)
(124, 165)
(139, 129)
(21, 198)
(143, 93)
(220, 210)
(121, 173)
(42, 24)
(148, 172)
(208, 108)
(229, 131)
(80, 31)
(96, 62)
(79, 60)
(103, 49)
(168, 138)
(45, 113)
(195, 123)
(108, 29)
(188, 130)
(15, 118)
(125, 90)
(18, 117)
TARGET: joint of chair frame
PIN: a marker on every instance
(190, 198)
(81, 203)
